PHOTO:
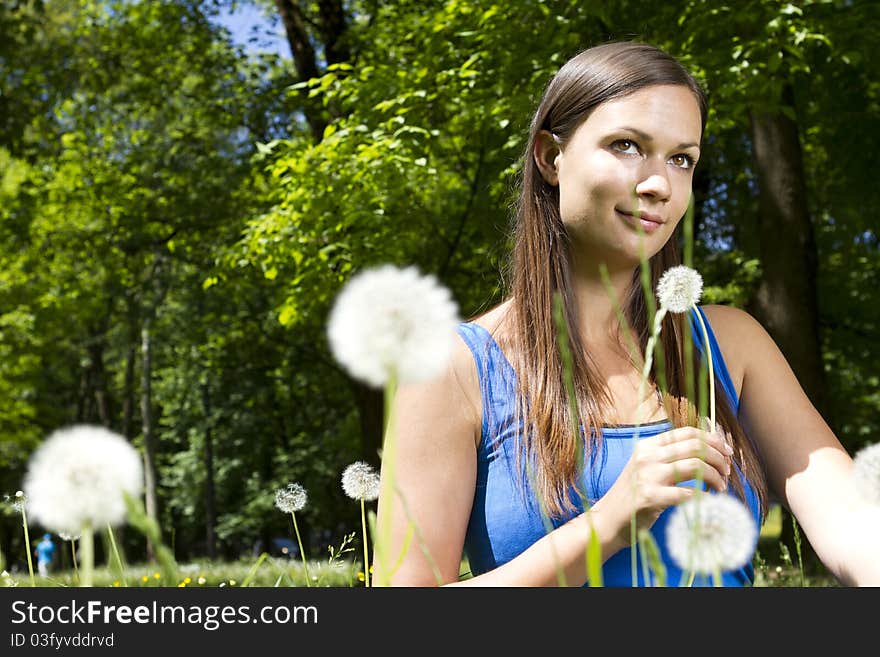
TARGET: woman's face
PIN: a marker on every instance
(633, 154)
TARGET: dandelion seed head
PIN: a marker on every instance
(360, 481)
(64, 536)
(78, 476)
(17, 502)
(390, 321)
(866, 473)
(710, 532)
(291, 498)
(679, 288)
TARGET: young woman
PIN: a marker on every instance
(487, 458)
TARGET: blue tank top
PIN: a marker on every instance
(506, 519)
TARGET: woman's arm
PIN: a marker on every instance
(806, 466)
(434, 477)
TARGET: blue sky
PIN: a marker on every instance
(248, 22)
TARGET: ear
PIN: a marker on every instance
(545, 152)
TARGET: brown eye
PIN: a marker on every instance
(683, 161)
(626, 146)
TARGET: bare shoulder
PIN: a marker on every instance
(463, 368)
(737, 333)
(493, 320)
(731, 324)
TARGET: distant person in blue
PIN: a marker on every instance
(45, 550)
(607, 170)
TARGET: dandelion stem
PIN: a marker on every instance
(382, 542)
(691, 574)
(708, 350)
(73, 557)
(27, 543)
(87, 552)
(302, 553)
(366, 557)
(116, 554)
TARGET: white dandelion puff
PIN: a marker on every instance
(360, 481)
(679, 289)
(17, 502)
(866, 473)
(77, 477)
(389, 322)
(291, 498)
(711, 533)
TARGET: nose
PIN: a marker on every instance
(654, 184)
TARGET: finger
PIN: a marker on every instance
(715, 439)
(673, 495)
(719, 439)
(724, 438)
(674, 435)
(695, 448)
(694, 468)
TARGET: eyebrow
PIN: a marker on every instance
(646, 137)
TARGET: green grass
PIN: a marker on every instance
(271, 571)
(774, 567)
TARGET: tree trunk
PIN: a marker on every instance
(304, 59)
(333, 27)
(128, 398)
(210, 494)
(786, 300)
(150, 493)
(128, 395)
(99, 382)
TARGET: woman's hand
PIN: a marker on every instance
(647, 484)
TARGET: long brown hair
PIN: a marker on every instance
(541, 267)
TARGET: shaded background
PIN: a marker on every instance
(181, 199)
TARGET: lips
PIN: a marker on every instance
(647, 216)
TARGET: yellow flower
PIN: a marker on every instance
(360, 577)
(187, 580)
(116, 583)
(145, 579)
(156, 576)
(232, 582)
(181, 585)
